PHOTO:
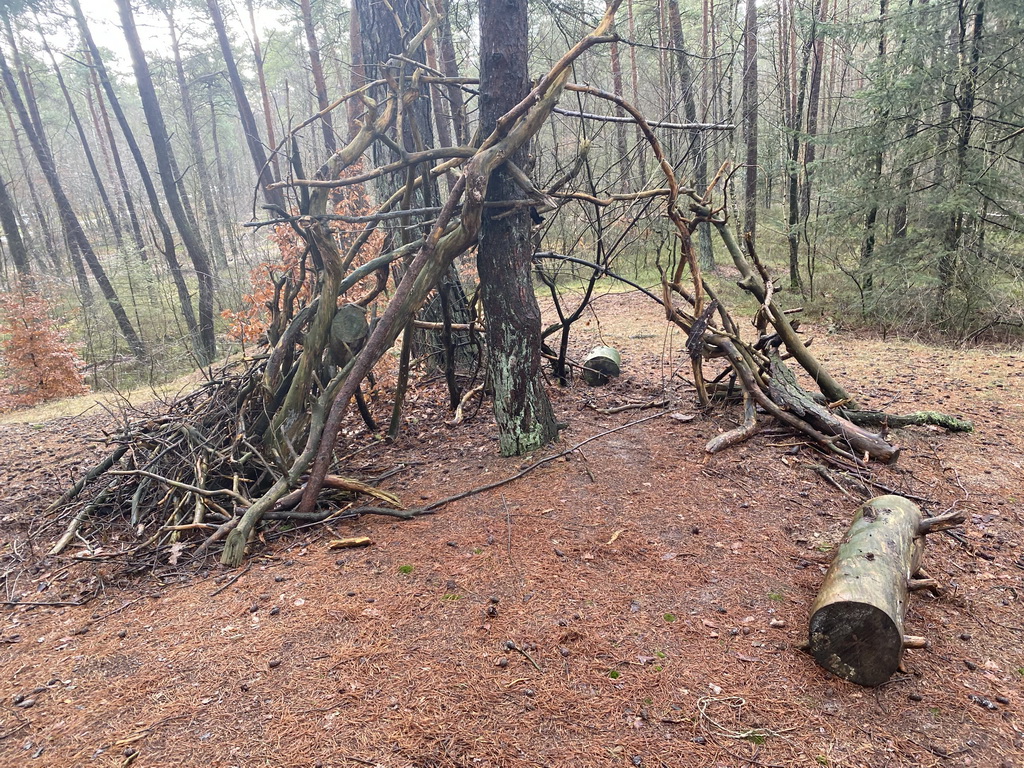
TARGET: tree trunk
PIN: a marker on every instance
(317, 69)
(195, 141)
(164, 158)
(450, 67)
(261, 78)
(955, 224)
(698, 146)
(621, 144)
(12, 232)
(796, 127)
(521, 405)
(875, 163)
(115, 156)
(222, 182)
(252, 135)
(170, 254)
(856, 627)
(69, 220)
(51, 257)
(108, 207)
(750, 97)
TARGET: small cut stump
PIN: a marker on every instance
(856, 629)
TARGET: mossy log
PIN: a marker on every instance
(856, 627)
(916, 419)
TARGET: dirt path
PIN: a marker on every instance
(638, 603)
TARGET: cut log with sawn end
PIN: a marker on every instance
(602, 364)
(856, 628)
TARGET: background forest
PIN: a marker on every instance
(874, 150)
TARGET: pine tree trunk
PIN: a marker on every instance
(621, 145)
(222, 183)
(521, 405)
(964, 127)
(108, 207)
(104, 130)
(317, 69)
(168, 175)
(875, 163)
(252, 135)
(196, 143)
(697, 147)
(261, 79)
(169, 251)
(69, 220)
(12, 232)
(750, 103)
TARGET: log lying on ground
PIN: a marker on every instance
(856, 628)
(785, 390)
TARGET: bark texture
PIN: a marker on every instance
(524, 415)
(856, 629)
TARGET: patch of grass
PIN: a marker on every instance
(670, 617)
(451, 597)
(614, 674)
(755, 737)
(776, 596)
(405, 569)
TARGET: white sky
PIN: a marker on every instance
(105, 24)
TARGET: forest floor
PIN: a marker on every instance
(654, 596)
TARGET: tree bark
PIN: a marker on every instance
(964, 125)
(317, 69)
(218, 165)
(523, 411)
(115, 156)
(698, 146)
(195, 142)
(164, 158)
(450, 67)
(793, 234)
(69, 220)
(12, 232)
(856, 627)
(51, 259)
(252, 135)
(108, 207)
(875, 163)
(750, 97)
(261, 78)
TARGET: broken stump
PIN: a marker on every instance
(856, 628)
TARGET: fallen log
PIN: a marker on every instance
(856, 627)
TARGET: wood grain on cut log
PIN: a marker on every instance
(856, 628)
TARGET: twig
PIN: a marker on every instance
(508, 525)
(232, 580)
(513, 646)
(631, 407)
(522, 473)
(185, 486)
